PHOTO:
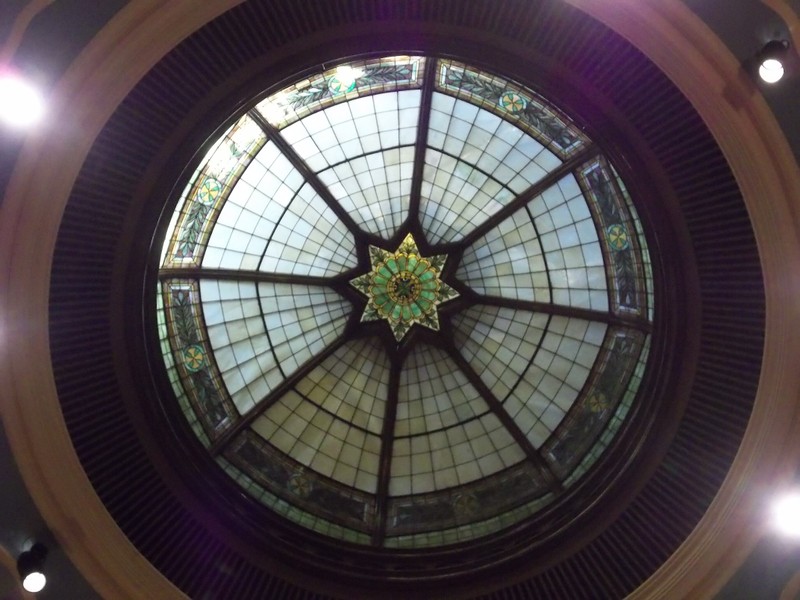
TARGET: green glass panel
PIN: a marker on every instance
(408, 296)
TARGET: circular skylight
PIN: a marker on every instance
(405, 302)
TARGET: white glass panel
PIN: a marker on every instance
(455, 456)
(456, 197)
(499, 343)
(507, 262)
(374, 189)
(361, 126)
(251, 211)
(309, 239)
(301, 320)
(559, 371)
(352, 384)
(322, 442)
(571, 246)
(434, 393)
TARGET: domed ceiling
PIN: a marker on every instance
(359, 299)
(404, 302)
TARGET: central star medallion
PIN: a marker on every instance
(404, 288)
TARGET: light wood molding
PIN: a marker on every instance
(105, 72)
(144, 31)
(762, 161)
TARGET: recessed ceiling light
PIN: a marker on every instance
(786, 514)
(771, 70)
(771, 61)
(29, 566)
(21, 104)
(34, 582)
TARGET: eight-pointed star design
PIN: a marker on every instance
(404, 288)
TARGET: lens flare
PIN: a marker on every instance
(21, 104)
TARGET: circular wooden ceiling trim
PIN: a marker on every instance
(28, 298)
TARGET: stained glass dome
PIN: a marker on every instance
(405, 302)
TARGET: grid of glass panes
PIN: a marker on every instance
(341, 84)
(434, 393)
(571, 246)
(515, 103)
(558, 372)
(261, 333)
(535, 364)
(274, 221)
(248, 208)
(499, 343)
(475, 163)
(204, 197)
(508, 261)
(363, 151)
(301, 320)
(315, 438)
(335, 430)
(352, 384)
(454, 456)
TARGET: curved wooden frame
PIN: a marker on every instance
(10, 585)
(768, 176)
(143, 32)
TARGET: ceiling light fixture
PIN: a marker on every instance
(771, 61)
(21, 104)
(786, 514)
(30, 567)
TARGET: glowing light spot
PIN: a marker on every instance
(786, 514)
(34, 582)
(21, 104)
(771, 70)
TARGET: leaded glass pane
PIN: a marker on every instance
(455, 456)
(520, 106)
(476, 372)
(192, 357)
(309, 239)
(434, 394)
(300, 321)
(251, 211)
(614, 368)
(615, 421)
(461, 533)
(360, 370)
(260, 462)
(508, 261)
(571, 246)
(488, 142)
(364, 152)
(641, 240)
(206, 194)
(499, 343)
(374, 189)
(255, 350)
(558, 373)
(321, 441)
(356, 128)
(456, 197)
(626, 273)
(340, 85)
(174, 375)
